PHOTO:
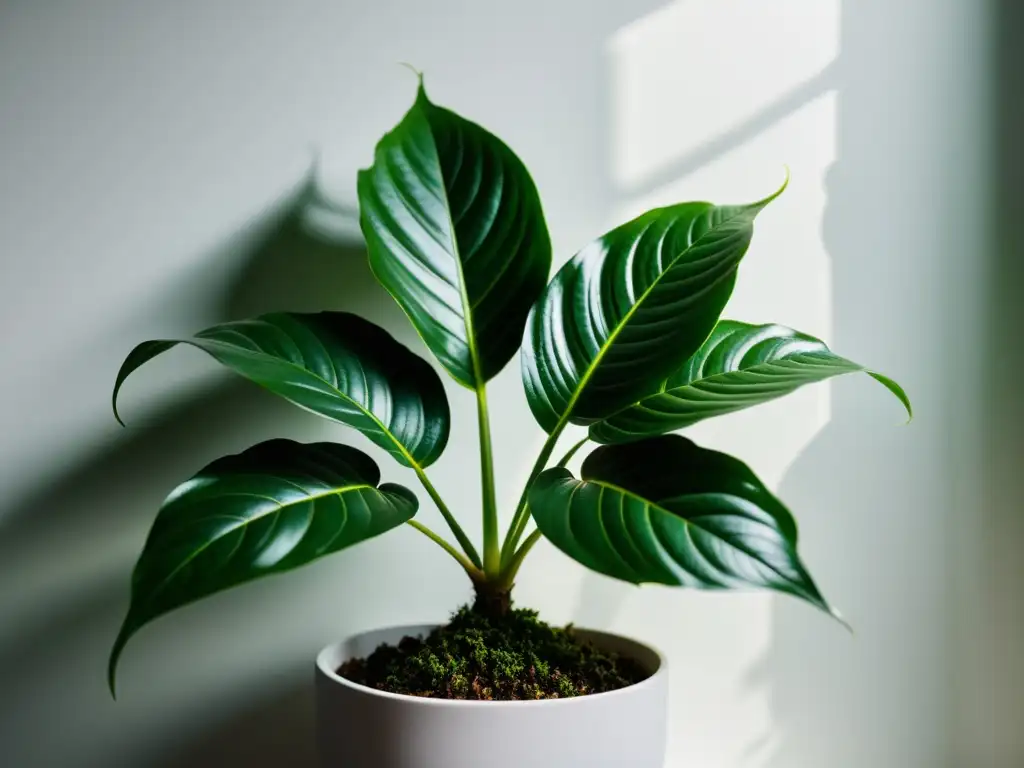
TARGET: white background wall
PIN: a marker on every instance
(151, 159)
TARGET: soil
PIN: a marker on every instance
(501, 658)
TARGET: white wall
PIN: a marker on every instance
(151, 160)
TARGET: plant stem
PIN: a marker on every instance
(470, 568)
(515, 529)
(453, 524)
(492, 553)
(571, 452)
(521, 529)
(509, 572)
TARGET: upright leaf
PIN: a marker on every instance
(667, 511)
(269, 509)
(626, 312)
(739, 366)
(456, 235)
(334, 364)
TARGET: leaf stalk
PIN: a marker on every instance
(492, 552)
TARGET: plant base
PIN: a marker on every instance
(492, 602)
(494, 655)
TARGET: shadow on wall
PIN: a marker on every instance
(991, 689)
(68, 546)
(312, 258)
(53, 650)
(277, 731)
(601, 599)
(874, 500)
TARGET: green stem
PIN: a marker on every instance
(515, 529)
(509, 572)
(571, 452)
(461, 559)
(521, 528)
(453, 524)
(492, 553)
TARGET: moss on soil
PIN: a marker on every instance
(475, 656)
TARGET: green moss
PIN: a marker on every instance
(476, 656)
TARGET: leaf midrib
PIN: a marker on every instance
(585, 379)
(288, 363)
(467, 309)
(717, 377)
(248, 521)
(650, 505)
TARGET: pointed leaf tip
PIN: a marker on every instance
(415, 71)
(115, 656)
(897, 390)
(826, 607)
(835, 614)
(785, 183)
(112, 683)
(116, 414)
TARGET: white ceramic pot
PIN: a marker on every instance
(359, 727)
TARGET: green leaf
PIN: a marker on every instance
(334, 364)
(269, 509)
(739, 366)
(630, 308)
(456, 235)
(669, 512)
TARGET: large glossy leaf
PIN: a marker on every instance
(630, 308)
(456, 235)
(667, 511)
(272, 508)
(334, 364)
(739, 366)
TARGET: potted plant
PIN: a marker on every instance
(626, 340)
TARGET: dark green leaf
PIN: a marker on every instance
(272, 508)
(336, 365)
(630, 308)
(456, 235)
(739, 366)
(664, 510)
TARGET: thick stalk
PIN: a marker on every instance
(492, 553)
(472, 571)
(493, 598)
(515, 529)
(453, 524)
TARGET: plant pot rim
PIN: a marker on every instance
(325, 662)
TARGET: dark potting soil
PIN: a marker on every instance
(476, 656)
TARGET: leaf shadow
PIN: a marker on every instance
(274, 731)
(69, 543)
(311, 259)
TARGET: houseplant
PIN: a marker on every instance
(626, 340)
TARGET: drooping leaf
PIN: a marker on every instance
(457, 236)
(630, 308)
(739, 366)
(334, 364)
(666, 511)
(269, 509)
